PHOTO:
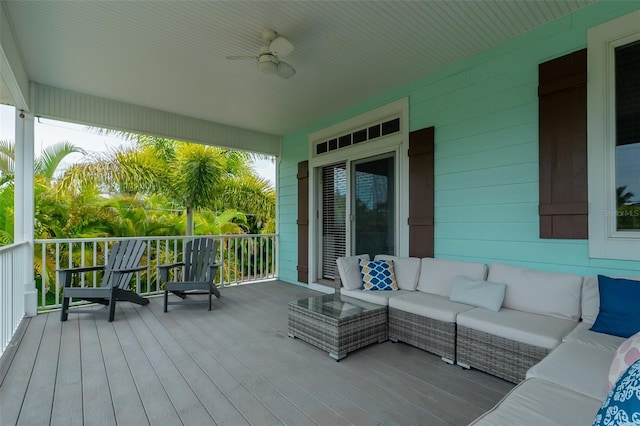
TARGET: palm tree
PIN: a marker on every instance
(192, 175)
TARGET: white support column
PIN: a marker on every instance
(24, 205)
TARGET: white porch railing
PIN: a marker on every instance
(245, 258)
(12, 280)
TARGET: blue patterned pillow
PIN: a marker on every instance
(377, 275)
(622, 405)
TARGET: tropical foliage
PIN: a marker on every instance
(157, 187)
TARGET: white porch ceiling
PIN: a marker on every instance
(170, 55)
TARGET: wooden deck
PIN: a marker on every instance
(234, 365)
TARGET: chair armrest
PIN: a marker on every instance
(67, 274)
(134, 269)
(164, 269)
(81, 269)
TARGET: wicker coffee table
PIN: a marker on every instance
(337, 324)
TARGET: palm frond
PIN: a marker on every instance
(52, 156)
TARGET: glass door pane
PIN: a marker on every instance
(374, 206)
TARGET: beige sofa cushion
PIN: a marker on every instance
(524, 327)
(590, 299)
(377, 297)
(582, 335)
(350, 271)
(537, 402)
(437, 275)
(429, 305)
(583, 369)
(545, 293)
(407, 270)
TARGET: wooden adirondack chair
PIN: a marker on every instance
(199, 272)
(123, 262)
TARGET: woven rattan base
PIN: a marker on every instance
(501, 357)
(338, 336)
(434, 336)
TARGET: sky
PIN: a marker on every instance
(48, 132)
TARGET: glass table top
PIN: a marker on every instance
(335, 306)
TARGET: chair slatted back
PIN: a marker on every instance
(123, 255)
(199, 253)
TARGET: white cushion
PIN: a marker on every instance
(577, 367)
(545, 293)
(483, 294)
(437, 275)
(407, 270)
(590, 299)
(350, 271)
(524, 327)
(582, 335)
(377, 297)
(537, 402)
(429, 305)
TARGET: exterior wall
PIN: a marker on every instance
(485, 113)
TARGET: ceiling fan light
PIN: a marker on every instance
(267, 64)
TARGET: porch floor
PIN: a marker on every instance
(234, 365)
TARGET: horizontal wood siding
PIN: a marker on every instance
(485, 110)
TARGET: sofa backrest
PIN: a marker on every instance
(407, 270)
(349, 271)
(545, 293)
(437, 275)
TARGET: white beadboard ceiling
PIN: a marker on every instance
(170, 55)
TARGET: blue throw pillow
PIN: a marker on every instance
(622, 405)
(377, 275)
(619, 307)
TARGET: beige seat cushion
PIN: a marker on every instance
(537, 402)
(378, 297)
(580, 368)
(537, 330)
(582, 335)
(429, 305)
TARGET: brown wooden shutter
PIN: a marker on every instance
(303, 222)
(421, 165)
(562, 94)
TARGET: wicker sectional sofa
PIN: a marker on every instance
(539, 309)
(539, 338)
(569, 385)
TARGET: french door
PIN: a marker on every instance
(357, 208)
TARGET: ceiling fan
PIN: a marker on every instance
(275, 47)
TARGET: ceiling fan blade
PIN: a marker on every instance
(242, 57)
(281, 47)
(285, 70)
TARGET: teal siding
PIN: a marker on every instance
(485, 112)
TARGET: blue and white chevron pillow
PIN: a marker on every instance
(377, 275)
(622, 405)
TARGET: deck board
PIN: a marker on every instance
(68, 392)
(234, 365)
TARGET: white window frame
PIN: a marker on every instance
(397, 143)
(605, 241)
